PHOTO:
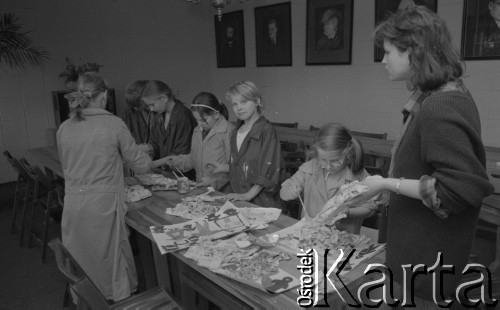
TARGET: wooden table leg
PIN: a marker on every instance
(495, 265)
(161, 267)
(146, 256)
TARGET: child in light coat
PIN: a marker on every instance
(338, 159)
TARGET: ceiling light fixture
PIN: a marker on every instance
(218, 5)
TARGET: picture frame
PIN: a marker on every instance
(480, 34)
(383, 8)
(273, 35)
(230, 40)
(329, 32)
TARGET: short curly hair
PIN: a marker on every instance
(433, 59)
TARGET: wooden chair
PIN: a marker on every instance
(285, 145)
(371, 160)
(313, 128)
(21, 192)
(292, 161)
(48, 206)
(89, 296)
(382, 136)
(288, 125)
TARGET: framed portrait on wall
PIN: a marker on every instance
(480, 30)
(383, 8)
(329, 32)
(273, 35)
(230, 40)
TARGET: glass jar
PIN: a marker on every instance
(182, 186)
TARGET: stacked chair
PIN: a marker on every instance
(23, 196)
(35, 194)
(89, 296)
(48, 202)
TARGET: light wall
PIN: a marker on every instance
(174, 41)
(146, 39)
(358, 95)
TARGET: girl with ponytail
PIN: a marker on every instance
(210, 141)
(338, 159)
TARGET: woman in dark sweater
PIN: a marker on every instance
(437, 177)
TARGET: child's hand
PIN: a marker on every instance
(215, 167)
(205, 181)
(336, 216)
(172, 160)
(236, 197)
(290, 190)
(374, 184)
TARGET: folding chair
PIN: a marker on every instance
(89, 296)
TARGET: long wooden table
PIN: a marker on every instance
(490, 211)
(184, 279)
(194, 286)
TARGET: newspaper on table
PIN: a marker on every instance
(268, 268)
(136, 192)
(272, 266)
(156, 182)
(194, 207)
(204, 204)
(229, 220)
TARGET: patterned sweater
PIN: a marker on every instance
(443, 140)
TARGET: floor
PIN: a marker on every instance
(26, 283)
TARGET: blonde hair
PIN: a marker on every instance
(248, 91)
(89, 86)
(336, 137)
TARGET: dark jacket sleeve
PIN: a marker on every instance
(136, 159)
(155, 136)
(183, 132)
(451, 145)
(269, 164)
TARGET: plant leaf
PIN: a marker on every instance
(16, 49)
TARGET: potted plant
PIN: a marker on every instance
(16, 49)
(72, 71)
